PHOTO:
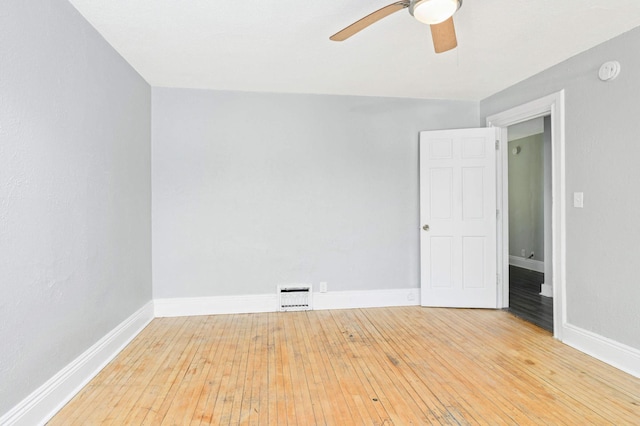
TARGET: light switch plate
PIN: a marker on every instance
(578, 199)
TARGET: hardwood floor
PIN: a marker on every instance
(525, 300)
(402, 366)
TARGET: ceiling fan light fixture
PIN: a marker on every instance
(433, 11)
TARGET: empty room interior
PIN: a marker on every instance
(272, 212)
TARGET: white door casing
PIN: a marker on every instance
(552, 105)
(458, 218)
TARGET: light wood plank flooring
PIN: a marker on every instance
(402, 366)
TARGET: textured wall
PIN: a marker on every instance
(74, 192)
(252, 190)
(602, 151)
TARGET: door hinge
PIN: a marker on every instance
(497, 214)
(497, 143)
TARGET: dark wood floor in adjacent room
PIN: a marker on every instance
(525, 300)
(384, 366)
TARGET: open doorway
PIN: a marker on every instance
(555, 259)
(529, 194)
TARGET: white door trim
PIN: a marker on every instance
(549, 105)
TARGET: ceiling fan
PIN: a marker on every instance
(437, 13)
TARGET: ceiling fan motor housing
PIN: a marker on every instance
(433, 11)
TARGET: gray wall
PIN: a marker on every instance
(253, 190)
(526, 197)
(74, 192)
(602, 152)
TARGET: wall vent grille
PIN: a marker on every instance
(295, 297)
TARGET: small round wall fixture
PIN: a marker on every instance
(609, 70)
(516, 150)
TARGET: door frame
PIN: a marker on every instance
(552, 105)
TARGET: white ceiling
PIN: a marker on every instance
(526, 128)
(284, 46)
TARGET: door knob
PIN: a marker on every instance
(425, 227)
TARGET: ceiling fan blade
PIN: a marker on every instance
(368, 20)
(444, 36)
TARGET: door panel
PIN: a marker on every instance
(458, 212)
(442, 200)
(442, 255)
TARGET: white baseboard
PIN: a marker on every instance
(366, 299)
(48, 399)
(613, 353)
(546, 290)
(521, 262)
(194, 306)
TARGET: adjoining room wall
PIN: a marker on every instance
(602, 151)
(253, 190)
(526, 197)
(75, 197)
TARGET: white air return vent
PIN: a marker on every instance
(294, 297)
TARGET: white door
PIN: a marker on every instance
(458, 218)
